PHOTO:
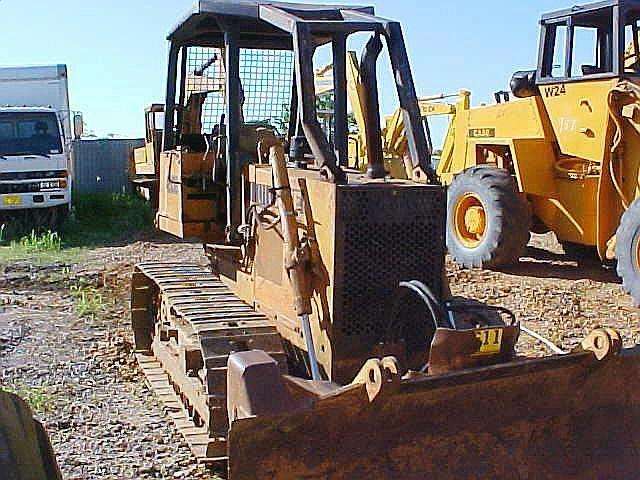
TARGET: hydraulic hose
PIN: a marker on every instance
(624, 88)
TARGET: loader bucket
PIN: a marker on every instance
(564, 417)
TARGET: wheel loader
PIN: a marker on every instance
(563, 156)
(321, 341)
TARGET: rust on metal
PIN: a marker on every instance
(186, 323)
(571, 417)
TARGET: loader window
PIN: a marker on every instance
(631, 57)
(578, 46)
(585, 52)
(559, 65)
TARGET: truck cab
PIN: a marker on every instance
(33, 159)
(37, 128)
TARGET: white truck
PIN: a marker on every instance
(35, 145)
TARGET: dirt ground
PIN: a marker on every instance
(66, 346)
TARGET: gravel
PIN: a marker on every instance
(79, 371)
(103, 421)
(559, 297)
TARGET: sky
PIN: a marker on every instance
(116, 50)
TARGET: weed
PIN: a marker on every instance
(100, 218)
(45, 242)
(97, 219)
(37, 397)
(88, 300)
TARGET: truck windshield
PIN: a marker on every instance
(29, 134)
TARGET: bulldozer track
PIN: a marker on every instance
(186, 323)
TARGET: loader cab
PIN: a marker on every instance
(581, 59)
(589, 42)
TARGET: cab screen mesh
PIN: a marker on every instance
(266, 77)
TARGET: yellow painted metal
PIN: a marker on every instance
(558, 148)
(357, 95)
(145, 158)
(394, 142)
(470, 220)
(580, 116)
(183, 210)
(490, 341)
(573, 147)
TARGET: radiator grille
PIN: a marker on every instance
(384, 236)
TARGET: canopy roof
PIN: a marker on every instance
(591, 7)
(203, 23)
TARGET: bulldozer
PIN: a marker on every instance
(144, 165)
(321, 339)
(563, 156)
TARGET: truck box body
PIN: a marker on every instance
(38, 87)
(35, 138)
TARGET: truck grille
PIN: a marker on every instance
(33, 175)
(20, 187)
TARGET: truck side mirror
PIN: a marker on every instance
(78, 126)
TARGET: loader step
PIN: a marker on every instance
(186, 323)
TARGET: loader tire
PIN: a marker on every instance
(488, 220)
(628, 251)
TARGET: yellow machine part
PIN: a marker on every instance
(143, 160)
(394, 141)
(25, 450)
(184, 209)
(559, 149)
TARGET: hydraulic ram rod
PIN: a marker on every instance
(294, 264)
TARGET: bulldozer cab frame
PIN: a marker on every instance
(301, 29)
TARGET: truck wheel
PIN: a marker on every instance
(488, 221)
(628, 251)
(59, 217)
(579, 252)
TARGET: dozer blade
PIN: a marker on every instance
(568, 417)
